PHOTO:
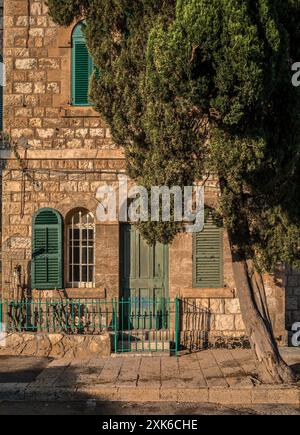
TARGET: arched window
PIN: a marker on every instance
(82, 68)
(81, 244)
(46, 271)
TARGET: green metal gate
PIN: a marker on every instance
(147, 325)
(145, 311)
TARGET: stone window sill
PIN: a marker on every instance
(76, 293)
(208, 293)
(69, 111)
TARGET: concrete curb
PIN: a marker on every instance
(262, 395)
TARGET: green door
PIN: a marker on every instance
(144, 281)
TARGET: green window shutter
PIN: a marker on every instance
(82, 68)
(81, 74)
(46, 273)
(208, 257)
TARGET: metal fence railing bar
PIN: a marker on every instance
(135, 324)
(68, 316)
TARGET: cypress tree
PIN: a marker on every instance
(192, 87)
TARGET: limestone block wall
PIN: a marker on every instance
(1, 26)
(62, 185)
(37, 95)
(57, 345)
(292, 299)
(1, 90)
(70, 148)
(218, 310)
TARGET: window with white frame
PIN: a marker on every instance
(81, 249)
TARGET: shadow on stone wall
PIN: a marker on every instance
(194, 326)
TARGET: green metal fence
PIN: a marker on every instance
(136, 324)
(68, 316)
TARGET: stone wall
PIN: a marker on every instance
(1, 27)
(37, 95)
(1, 90)
(62, 185)
(292, 299)
(219, 308)
(70, 148)
(56, 345)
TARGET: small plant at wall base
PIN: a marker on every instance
(196, 86)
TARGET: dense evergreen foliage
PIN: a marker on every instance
(191, 87)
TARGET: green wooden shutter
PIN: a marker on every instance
(208, 257)
(81, 74)
(82, 68)
(46, 271)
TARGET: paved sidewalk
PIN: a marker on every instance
(212, 376)
(21, 370)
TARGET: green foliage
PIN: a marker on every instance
(64, 12)
(196, 86)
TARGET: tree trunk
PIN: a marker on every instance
(271, 367)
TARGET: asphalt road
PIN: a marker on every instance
(116, 408)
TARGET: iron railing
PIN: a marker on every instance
(136, 324)
(68, 316)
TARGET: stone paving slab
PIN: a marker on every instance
(224, 396)
(211, 376)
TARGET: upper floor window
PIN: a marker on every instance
(81, 69)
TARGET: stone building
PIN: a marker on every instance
(53, 244)
(1, 108)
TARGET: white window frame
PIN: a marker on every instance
(89, 225)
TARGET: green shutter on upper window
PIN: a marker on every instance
(82, 67)
(46, 271)
(208, 257)
(81, 74)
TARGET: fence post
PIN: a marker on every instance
(6, 316)
(176, 325)
(1, 315)
(115, 323)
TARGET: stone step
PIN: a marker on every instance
(146, 335)
(146, 346)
